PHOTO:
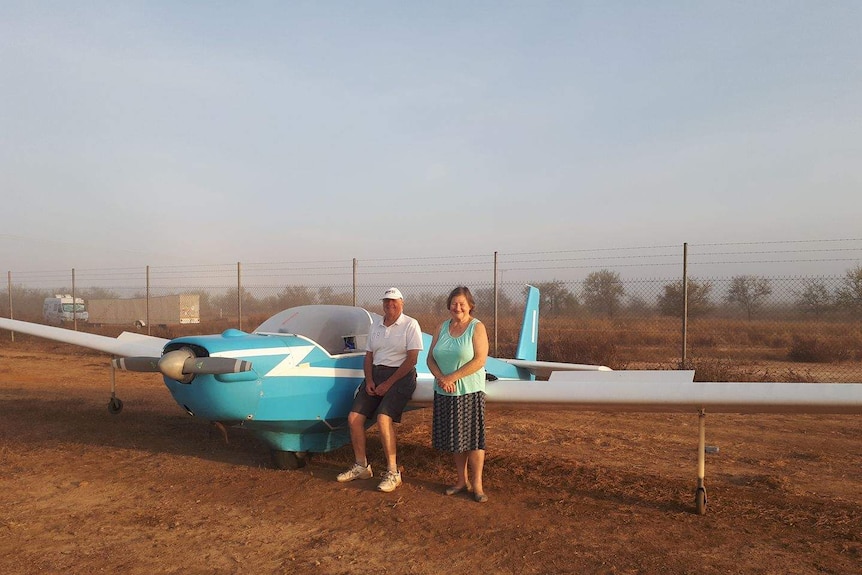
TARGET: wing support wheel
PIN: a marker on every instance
(115, 405)
(700, 500)
(700, 492)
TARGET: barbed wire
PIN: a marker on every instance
(737, 262)
(478, 263)
(779, 242)
(777, 252)
(593, 250)
(605, 258)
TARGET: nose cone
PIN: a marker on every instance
(171, 364)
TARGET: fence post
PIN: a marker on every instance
(11, 314)
(239, 295)
(148, 300)
(74, 304)
(684, 303)
(496, 309)
(354, 282)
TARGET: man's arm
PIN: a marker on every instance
(368, 367)
(403, 369)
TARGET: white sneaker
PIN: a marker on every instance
(356, 471)
(391, 480)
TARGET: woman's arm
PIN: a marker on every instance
(431, 362)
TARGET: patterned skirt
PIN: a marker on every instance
(458, 424)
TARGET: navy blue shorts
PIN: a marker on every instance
(391, 404)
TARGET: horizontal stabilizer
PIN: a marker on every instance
(638, 375)
(545, 368)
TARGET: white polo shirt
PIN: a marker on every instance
(389, 345)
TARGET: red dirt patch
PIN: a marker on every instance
(154, 491)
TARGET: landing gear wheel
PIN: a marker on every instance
(115, 406)
(700, 501)
(289, 459)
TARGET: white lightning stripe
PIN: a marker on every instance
(293, 356)
(308, 371)
(292, 363)
(260, 352)
(293, 359)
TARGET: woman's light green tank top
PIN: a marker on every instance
(451, 353)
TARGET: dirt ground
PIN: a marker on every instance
(152, 490)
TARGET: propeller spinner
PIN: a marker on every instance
(182, 364)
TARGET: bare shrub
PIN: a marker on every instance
(704, 340)
(711, 369)
(817, 349)
(586, 347)
(731, 371)
(810, 349)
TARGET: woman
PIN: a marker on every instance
(457, 361)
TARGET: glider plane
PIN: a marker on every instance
(291, 381)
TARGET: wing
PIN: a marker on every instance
(126, 344)
(665, 391)
(661, 391)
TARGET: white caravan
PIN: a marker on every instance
(64, 309)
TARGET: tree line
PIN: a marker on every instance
(601, 293)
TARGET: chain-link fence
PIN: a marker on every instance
(769, 311)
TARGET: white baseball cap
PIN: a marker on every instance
(393, 293)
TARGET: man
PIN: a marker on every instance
(391, 353)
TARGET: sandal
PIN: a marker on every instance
(452, 490)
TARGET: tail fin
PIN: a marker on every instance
(528, 342)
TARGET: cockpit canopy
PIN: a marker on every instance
(336, 328)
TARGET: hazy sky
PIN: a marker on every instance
(163, 133)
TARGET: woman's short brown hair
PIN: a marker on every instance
(464, 291)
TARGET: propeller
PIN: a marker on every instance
(182, 364)
(145, 364)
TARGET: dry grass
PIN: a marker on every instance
(720, 349)
(729, 350)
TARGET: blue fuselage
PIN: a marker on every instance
(296, 397)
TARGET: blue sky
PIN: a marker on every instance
(161, 133)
